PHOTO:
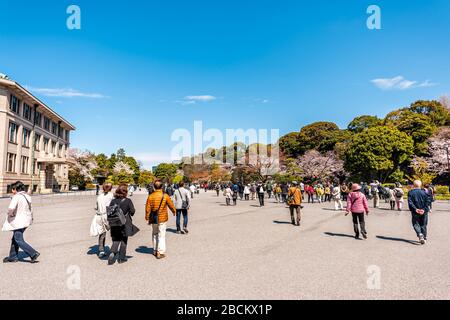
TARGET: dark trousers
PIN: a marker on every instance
(120, 247)
(392, 203)
(234, 201)
(284, 197)
(358, 221)
(420, 223)
(183, 212)
(261, 199)
(227, 201)
(17, 242)
(293, 208)
(247, 197)
(101, 242)
(310, 198)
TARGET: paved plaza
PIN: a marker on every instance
(242, 252)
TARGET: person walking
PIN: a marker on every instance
(344, 192)
(182, 205)
(319, 193)
(375, 192)
(99, 225)
(217, 188)
(336, 194)
(261, 191)
(278, 192)
(253, 192)
(228, 193)
(247, 192)
(302, 189)
(357, 205)
(327, 193)
(19, 218)
(295, 202)
(391, 197)
(399, 194)
(192, 189)
(419, 203)
(120, 234)
(284, 192)
(156, 214)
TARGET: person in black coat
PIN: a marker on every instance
(120, 234)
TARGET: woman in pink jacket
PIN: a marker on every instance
(357, 206)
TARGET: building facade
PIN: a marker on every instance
(34, 142)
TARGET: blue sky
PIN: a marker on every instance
(138, 70)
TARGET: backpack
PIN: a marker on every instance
(115, 215)
(398, 193)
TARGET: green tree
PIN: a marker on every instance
(166, 171)
(359, 124)
(378, 152)
(290, 144)
(146, 177)
(434, 110)
(321, 136)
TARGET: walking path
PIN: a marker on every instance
(242, 252)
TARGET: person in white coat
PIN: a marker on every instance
(99, 225)
(336, 194)
(18, 219)
(228, 193)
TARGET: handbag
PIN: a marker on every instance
(154, 214)
(184, 204)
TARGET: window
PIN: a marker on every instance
(24, 165)
(37, 142)
(54, 128)
(61, 133)
(46, 141)
(60, 148)
(38, 119)
(12, 132)
(35, 166)
(11, 162)
(14, 104)
(67, 135)
(53, 148)
(27, 112)
(46, 123)
(26, 137)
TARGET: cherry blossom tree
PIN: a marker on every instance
(316, 165)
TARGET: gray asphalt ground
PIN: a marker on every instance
(242, 252)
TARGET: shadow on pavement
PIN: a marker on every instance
(416, 243)
(331, 234)
(145, 250)
(281, 222)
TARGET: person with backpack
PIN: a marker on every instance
(156, 214)
(357, 205)
(399, 194)
(228, 193)
(295, 201)
(99, 225)
(182, 205)
(120, 213)
(247, 192)
(284, 192)
(19, 218)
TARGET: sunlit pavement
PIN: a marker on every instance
(242, 252)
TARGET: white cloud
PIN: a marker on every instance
(400, 83)
(150, 159)
(205, 98)
(64, 93)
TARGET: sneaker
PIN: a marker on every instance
(160, 256)
(422, 239)
(364, 236)
(121, 261)
(8, 260)
(357, 238)
(186, 231)
(101, 255)
(111, 259)
(35, 257)
(178, 232)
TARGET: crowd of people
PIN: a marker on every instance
(115, 211)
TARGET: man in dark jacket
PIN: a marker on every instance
(419, 205)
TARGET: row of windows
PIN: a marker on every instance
(26, 135)
(27, 113)
(24, 162)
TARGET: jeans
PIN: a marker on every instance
(120, 247)
(17, 242)
(293, 208)
(358, 221)
(101, 242)
(420, 224)
(261, 199)
(183, 212)
(310, 198)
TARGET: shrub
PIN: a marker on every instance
(90, 186)
(442, 190)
